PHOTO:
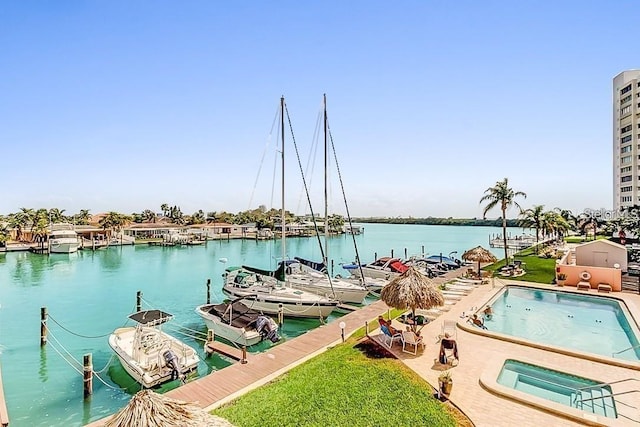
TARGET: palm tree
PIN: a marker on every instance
(531, 218)
(56, 215)
(148, 215)
(114, 221)
(82, 217)
(4, 235)
(164, 208)
(504, 196)
(569, 217)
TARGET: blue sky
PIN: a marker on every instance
(119, 105)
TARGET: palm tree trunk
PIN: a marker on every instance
(504, 236)
(537, 237)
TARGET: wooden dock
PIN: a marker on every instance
(220, 387)
(4, 414)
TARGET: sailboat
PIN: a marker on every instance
(272, 292)
(313, 276)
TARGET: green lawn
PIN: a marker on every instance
(538, 270)
(341, 387)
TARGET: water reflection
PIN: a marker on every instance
(111, 259)
(42, 371)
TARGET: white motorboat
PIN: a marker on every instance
(148, 354)
(63, 239)
(301, 275)
(238, 322)
(271, 294)
(385, 268)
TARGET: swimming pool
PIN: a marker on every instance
(560, 387)
(587, 323)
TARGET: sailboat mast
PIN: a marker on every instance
(284, 251)
(326, 191)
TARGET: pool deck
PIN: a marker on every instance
(479, 354)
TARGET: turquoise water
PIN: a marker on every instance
(91, 294)
(558, 387)
(581, 322)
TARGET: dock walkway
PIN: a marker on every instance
(220, 387)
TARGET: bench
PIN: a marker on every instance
(583, 286)
(604, 287)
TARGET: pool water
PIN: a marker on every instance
(585, 323)
(560, 387)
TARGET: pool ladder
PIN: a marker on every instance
(626, 349)
(580, 400)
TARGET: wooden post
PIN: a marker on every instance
(138, 301)
(331, 268)
(280, 315)
(244, 355)
(422, 250)
(208, 351)
(375, 256)
(88, 375)
(43, 326)
(366, 328)
(208, 291)
(391, 253)
(405, 253)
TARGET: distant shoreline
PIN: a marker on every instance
(473, 222)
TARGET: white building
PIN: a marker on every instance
(626, 139)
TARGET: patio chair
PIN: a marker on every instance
(388, 338)
(410, 338)
(449, 326)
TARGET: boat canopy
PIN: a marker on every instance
(151, 317)
(318, 266)
(279, 273)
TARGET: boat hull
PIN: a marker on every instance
(63, 247)
(147, 365)
(240, 336)
(290, 308)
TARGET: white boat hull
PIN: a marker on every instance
(146, 364)
(240, 336)
(63, 247)
(290, 308)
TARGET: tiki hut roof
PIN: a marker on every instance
(150, 409)
(413, 290)
(479, 254)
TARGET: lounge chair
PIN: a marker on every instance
(388, 338)
(410, 338)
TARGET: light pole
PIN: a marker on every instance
(342, 326)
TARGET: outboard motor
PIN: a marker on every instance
(267, 328)
(172, 361)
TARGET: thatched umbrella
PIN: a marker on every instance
(413, 290)
(150, 409)
(479, 254)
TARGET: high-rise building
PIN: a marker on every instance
(626, 139)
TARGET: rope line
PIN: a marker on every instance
(107, 365)
(65, 350)
(75, 333)
(65, 359)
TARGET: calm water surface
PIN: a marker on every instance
(89, 294)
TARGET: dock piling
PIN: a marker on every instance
(280, 315)
(208, 291)
(138, 301)
(391, 253)
(43, 326)
(244, 355)
(88, 375)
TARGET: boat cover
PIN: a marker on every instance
(151, 317)
(318, 266)
(277, 273)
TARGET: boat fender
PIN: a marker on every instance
(172, 361)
